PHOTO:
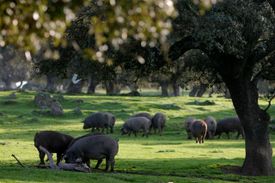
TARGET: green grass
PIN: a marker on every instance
(167, 158)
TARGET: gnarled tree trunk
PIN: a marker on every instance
(258, 159)
(176, 88)
(8, 84)
(112, 88)
(50, 87)
(92, 86)
(164, 89)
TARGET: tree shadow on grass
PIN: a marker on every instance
(203, 169)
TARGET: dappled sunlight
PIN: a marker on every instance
(170, 153)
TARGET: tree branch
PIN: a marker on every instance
(65, 166)
(263, 50)
(17, 160)
(182, 46)
(269, 102)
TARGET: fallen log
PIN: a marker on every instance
(65, 166)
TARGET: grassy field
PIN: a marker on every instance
(167, 158)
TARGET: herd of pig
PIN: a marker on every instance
(209, 127)
(98, 146)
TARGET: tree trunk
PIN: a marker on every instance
(176, 89)
(164, 89)
(7, 84)
(258, 159)
(201, 90)
(194, 91)
(50, 87)
(112, 88)
(75, 88)
(92, 86)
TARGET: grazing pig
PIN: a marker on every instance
(211, 127)
(187, 125)
(143, 114)
(136, 124)
(94, 147)
(100, 120)
(54, 142)
(227, 125)
(86, 135)
(199, 130)
(158, 122)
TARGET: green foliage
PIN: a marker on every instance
(30, 23)
(166, 158)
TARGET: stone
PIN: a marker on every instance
(77, 111)
(43, 100)
(56, 109)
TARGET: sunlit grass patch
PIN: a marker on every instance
(167, 158)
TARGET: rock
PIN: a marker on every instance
(43, 100)
(56, 109)
(77, 111)
(170, 106)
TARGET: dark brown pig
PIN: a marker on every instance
(228, 125)
(54, 142)
(199, 130)
(94, 147)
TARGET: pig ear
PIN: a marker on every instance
(78, 160)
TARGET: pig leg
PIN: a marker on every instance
(41, 156)
(58, 157)
(108, 162)
(98, 163)
(112, 165)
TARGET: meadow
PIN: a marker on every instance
(167, 158)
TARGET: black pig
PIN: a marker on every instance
(54, 142)
(95, 147)
(227, 125)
